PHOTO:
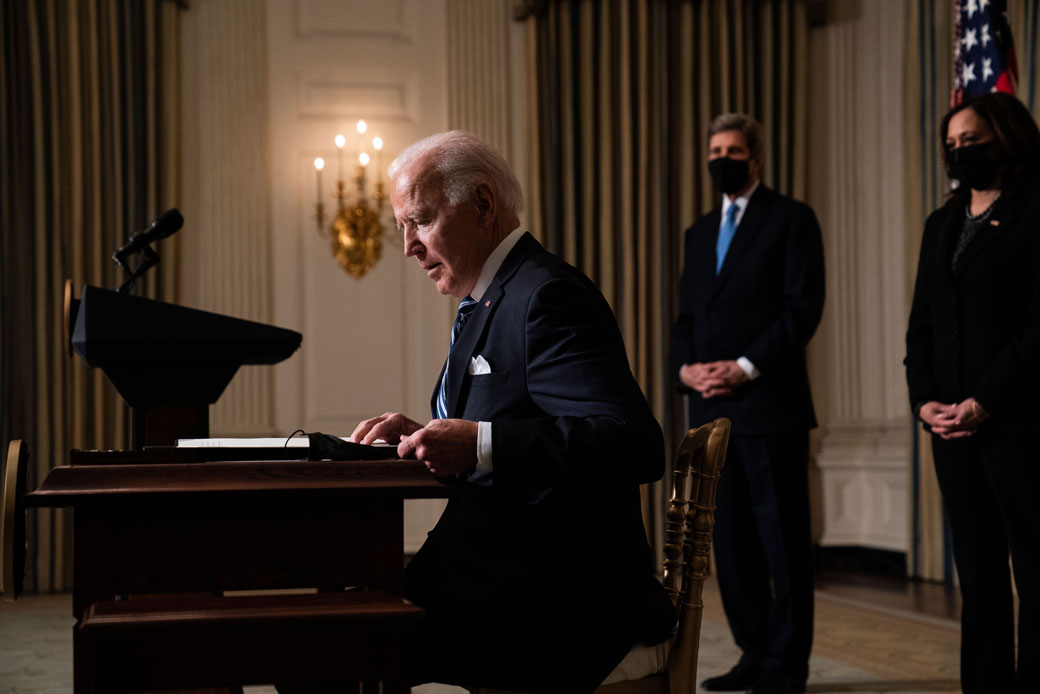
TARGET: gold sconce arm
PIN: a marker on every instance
(357, 234)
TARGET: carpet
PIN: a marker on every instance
(857, 648)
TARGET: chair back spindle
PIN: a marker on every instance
(675, 516)
(700, 458)
(12, 520)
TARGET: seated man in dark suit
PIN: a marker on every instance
(538, 575)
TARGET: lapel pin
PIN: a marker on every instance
(487, 304)
(994, 222)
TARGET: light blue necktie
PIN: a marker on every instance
(466, 307)
(726, 231)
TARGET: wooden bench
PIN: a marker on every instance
(192, 641)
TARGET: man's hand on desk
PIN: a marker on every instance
(389, 426)
(447, 446)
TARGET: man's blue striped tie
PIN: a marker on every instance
(726, 231)
(466, 307)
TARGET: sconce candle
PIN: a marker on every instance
(340, 142)
(319, 210)
(363, 158)
(377, 145)
(362, 127)
(319, 164)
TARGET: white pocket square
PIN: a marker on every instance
(478, 365)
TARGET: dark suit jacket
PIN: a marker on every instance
(976, 332)
(549, 551)
(765, 305)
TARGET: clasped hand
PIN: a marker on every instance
(714, 378)
(953, 421)
(446, 446)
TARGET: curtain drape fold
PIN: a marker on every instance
(88, 109)
(621, 97)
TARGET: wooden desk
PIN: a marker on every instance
(142, 526)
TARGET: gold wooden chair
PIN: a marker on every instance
(689, 522)
(12, 520)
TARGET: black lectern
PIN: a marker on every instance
(169, 362)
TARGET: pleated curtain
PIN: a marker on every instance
(1024, 18)
(621, 94)
(88, 115)
(929, 77)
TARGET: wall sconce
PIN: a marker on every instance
(356, 232)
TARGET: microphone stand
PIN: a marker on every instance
(148, 258)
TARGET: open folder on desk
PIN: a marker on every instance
(316, 446)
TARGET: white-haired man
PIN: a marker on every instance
(538, 575)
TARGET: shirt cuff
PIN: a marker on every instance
(748, 368)
(484, 446)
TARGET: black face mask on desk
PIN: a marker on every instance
(730, 175)
(325, 447)
(973, 166)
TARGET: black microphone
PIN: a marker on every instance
(164, 225)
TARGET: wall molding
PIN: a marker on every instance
(356, 93)
(865, 483)
(392, 20)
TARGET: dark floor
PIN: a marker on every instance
(892, 592)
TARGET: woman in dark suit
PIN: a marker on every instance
(973, 368)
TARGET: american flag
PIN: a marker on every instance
(983, 55)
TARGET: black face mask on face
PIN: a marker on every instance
(730, 175)
(973, 166)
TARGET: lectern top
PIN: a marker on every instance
(169, 362)
(112, 327)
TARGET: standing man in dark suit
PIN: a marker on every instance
(538, 575)
(751, 296)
